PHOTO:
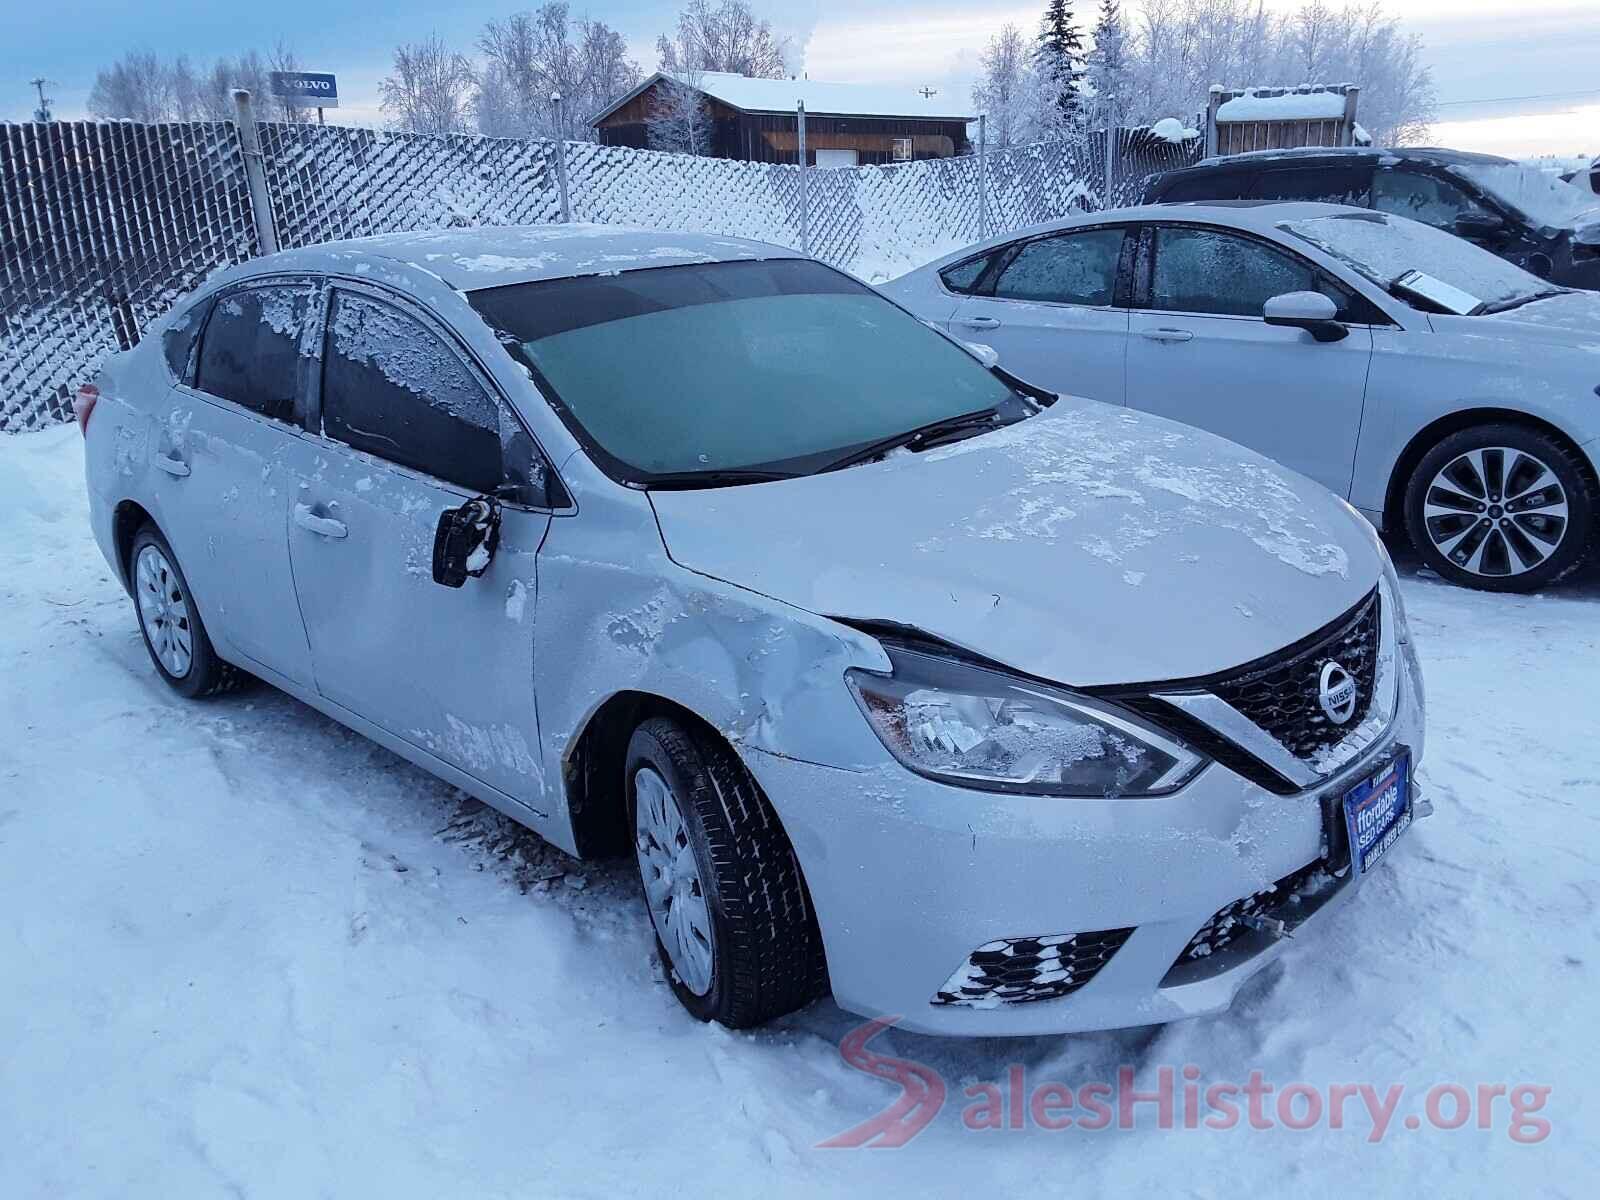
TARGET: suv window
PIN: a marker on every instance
(1426, 198)
(1074, 268)
(394, 389)
(250, 351)
(1209, 185)
(1212, 271)
(1335, 184)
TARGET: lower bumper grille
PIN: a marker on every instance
(1022, 970)
(1242, 928)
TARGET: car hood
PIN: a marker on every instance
(1572, 318)
(1089, 545)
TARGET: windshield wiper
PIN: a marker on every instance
(1500, 306)
(711, 477)
(919, 438)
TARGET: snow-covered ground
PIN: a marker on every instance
(245, 952)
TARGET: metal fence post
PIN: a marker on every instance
(1113, 153)
(805, 207)
(255, 170)
(983, 176)
(561, 156)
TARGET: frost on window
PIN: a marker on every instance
(1425, 198)
(1079, 268)
(409, 357)
(1208, 271)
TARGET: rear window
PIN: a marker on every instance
(250, 353)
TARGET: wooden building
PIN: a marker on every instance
(1247, 119)
(755, 120)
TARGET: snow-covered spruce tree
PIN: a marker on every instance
(1059, 59)
(678, 122)
(1109, 68)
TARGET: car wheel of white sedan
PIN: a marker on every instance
(734, 927)
(173, 632)
(1501, 507)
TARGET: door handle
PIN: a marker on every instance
(1168, 335)
(979, 322)
(321, 526)
(172, 465)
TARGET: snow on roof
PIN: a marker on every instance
(834, 99)
(470, 259)
(1290, 106)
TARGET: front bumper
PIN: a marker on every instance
(909, 876)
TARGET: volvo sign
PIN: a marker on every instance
(305, 89)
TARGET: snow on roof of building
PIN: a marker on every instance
(1288, 106)
(833, 99)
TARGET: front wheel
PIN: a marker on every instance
(733, 920)
(1501, 507)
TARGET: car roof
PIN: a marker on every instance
(487, 257)
(1432, 155)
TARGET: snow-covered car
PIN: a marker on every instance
(1438, 388)
(1541, 222)
(898, 676)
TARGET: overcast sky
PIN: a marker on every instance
(1480, 50)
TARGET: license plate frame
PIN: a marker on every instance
(1377, 811)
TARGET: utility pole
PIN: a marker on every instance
(42, 113)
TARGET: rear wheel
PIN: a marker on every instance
(173, 633)
(733, 920)
(1501, 507)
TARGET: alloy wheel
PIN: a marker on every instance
(164, 611)
(672, 880)
(1496, 511)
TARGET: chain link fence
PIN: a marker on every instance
(106, 224)
(103, 225)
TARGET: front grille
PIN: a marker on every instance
(1280, 693)
(1022, 970)
(1243, 928)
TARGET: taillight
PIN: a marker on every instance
(83, 406)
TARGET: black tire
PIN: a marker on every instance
(206, 674)
(1503, 568)
(767, 957)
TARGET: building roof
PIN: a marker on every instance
(829, 99)
(486, 257)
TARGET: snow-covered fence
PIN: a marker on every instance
(102, 226)
(107, 224)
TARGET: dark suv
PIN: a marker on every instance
(1527, 216)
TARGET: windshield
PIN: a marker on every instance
(1542, 198)
(737, 366)
(1384, 248)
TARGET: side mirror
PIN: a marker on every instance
(1312, 311)
(465, 541)
(1479, 226)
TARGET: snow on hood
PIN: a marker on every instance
(1572, 318)
(1090, 545)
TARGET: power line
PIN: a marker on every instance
(1518, 99)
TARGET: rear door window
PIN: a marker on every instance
(1073, 268)
(394, 389)
(250, 351)
(963, 277)
(1210, 185)
(1327, 184)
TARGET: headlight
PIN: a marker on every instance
(980, 728)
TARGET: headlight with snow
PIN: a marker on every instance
(968, 725)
